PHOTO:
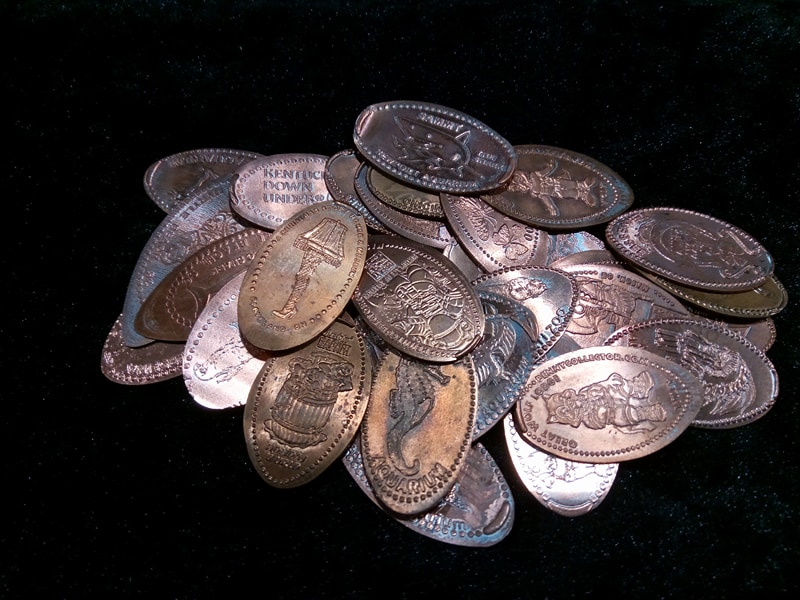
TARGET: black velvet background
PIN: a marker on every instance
(119, 491)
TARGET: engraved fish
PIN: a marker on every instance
(432, 150)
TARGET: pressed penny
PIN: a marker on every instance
(142, 365)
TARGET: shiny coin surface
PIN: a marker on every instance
(690, 248)
(739, 382)
(567, 243)
(272, 189)
(340, 175)
(433, 147)
(418, 301)
(174, 180)
(305, 407)
(478, 511)
(417, 431)
(157, 361)
(566, 487)
(607, 404)
(554, 188)
(302, 278)
(171, 309)
(588, 257)
(403, 196)
(494, 240)
(465, 263)
(759, 332)
(219, 366)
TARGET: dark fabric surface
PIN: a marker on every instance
(117, 491)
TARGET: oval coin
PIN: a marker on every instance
(403, 196)
(340, 176)
(154, 362)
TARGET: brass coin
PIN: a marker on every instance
(417, 300)
(302, 278)
(433, 147)
(171, 309)
(554, 188)
(340, 175)
(690, 248)
(607, 404)
(417, 431)
(739, 382)
(154, 362)
(403, 196)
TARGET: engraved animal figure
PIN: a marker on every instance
(215, 367)
(599, 304)
(493, 352)
(567, 471)
(432, 150)
(727, 381)
(409, 404)
(479, 215)
(550, 186)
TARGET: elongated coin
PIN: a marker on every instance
(570, 242)
(403, 196)
(418, 301)
(305, 407)
(465, 263)
(154, 362)
(604, 404)
(433, 147)
(340, 175)
(417, 431)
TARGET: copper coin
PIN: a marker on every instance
(465, 263)
(174, 180)
(418, 301)
(554, 188)
(571, 242)
(690, 248)
(305, 407)
(759, 332)
(566, 487)
(433, 147)
(171, 309)
(302, 278)
(607, 404)
(219, 366)
(739, 382)
(417, 431)
(493, 239)
(272, 189)
(403, 196)
(477, 512)
(588, 257)
(340, 175)
(157, 361)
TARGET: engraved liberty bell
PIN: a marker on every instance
(325, 242)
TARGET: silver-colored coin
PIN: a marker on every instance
(174, 180)
(588, 257)
(433, 147)
(272, 189)
(152, 363)
(566, 487)
(340, 175)
(571, 242)
(219, 366)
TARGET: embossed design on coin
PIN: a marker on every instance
(402, 196)
(607, 404)
(340, 175)
(565, 244)
(154, 362)
(433, 147)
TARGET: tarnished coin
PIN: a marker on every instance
(340, 175)
(571, 242)
(739, 382)
(219, 366)
(154, 362)
(759, 332)
(174, 180)
(205, 219)
(417, 300)
(430, 232)
(402, 196)
(433, 147)
(607, 404)
(566, 487)
(305, 407)
(550, 294)
(554, 188)
(690, 248)
(477, 512)
(493, 239)
(417, 431)
(458, 256)
(272, 189)
(588, 257)
(302, 278)
(171, 309)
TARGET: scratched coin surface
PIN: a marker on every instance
(154, 362)
(566, 487)
(477, 512)
(554, 188)
(340, 175)
(567, 243)
(417, 430)
(302, 278)
(272, 189)
(305, 407)
(433, 147)
(172, 181)
(171, 309)
(493, 239)
(417, 300)
(403, 196)
(690, 248)
(607, 404)
(219, 366)
(204, 219)
(739, 383)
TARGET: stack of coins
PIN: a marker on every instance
(388, 305)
